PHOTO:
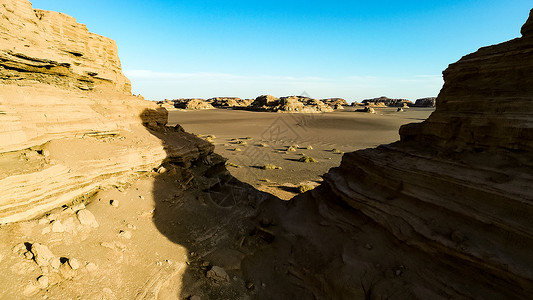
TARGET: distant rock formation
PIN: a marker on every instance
(291, 104)
(229, 102)
(336, 103)
(69, 124)
(444, 213)
(425, 102)
(192, 104)
(384, 101)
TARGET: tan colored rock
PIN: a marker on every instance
(192, 104)
(42, 255)
(61, 87)
(87, 218)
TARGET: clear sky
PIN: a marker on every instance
(349, 49)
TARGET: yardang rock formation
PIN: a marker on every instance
(444, 213)
(68, 122)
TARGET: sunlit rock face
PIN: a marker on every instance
(68, 121)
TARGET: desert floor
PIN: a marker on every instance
(250, 140)
(154, 239)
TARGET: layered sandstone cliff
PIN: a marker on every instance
(444, 213)
(68, 122)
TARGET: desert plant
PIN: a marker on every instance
(307, 159)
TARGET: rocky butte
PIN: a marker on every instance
(445, 213)
(69, 124)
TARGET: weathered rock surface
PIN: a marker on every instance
(68, 122)
(384, 101)
(227, 102)
(444, 213)
(336, 103)
(291, 104)
(425, 102)
(192, 104)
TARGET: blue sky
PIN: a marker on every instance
(349, 49)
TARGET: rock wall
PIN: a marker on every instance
(444, 213)
(68, 122)
(52, 48)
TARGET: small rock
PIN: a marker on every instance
(43, 281)
(31, 290)
(114, 203)
(87, 218)
(53, 279)
(91, 267)
(132, 227)
(66, 271)
(125, 234)
(78, 207)
(217, 274)
(20, 249)
(55, 263)
(52, 217)
(264, 285)
(74, 263)
(42, 255)
(368, 246)
(250, 285)
(398, 272)
(57, 226)
(28, 255)
(162, 170)
(141, 197)
(69, 225)
(46, 230)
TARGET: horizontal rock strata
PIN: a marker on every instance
(443, 213)
(68, 122)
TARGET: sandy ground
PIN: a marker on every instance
(250, 140)
(164, 236)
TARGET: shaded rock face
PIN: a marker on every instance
(425, 102)
(444, 213)
(485, 103)
(68, 122)
(384, 101)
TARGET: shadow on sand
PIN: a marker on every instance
(200, 206)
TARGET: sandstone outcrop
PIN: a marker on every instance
(384, 101)
(291, 104)
(68, 122)
(425, 102)
(336, 103)
(192, 104)
(229, 102)
(443, 213)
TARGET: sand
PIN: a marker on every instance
(250, 140)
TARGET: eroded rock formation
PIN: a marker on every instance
(68, 122)
(291, 104)
(425, 102)
(443, 213)
(229, 102)
(385, 101)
